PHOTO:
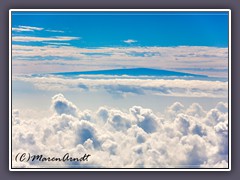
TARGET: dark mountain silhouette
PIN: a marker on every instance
(130, 72)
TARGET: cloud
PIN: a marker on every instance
(124, 139)
(182, 124)
(221, 164)
(174, 109)
(195, 147)
(40, 39)
(119, 57)
(62, 106)
(15, 116)
(58, 31)
(129, 41)
(26, 28)
(196, 110)
(145, 119)
(116, 120)
(21, 29)
(222, 107)
(57, 43)
(32, 28)
(122, 86)
(86, 133)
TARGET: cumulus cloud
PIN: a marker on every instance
(145, 119)
(222, 107)
(174, 109)
(63, 106)
(123, 139)
(196, 110)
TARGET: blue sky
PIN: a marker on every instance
(147, 29)
(192, 42)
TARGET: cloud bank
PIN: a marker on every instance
(128, 85)
(181, 137)
(211, 61)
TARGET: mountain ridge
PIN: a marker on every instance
(130, 72)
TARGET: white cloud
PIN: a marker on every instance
(15, 117)
(221, 164)
(40, 39)
(174, 109)
(181, 58)
(129, 41)
(21, 29)
(57, 43)
(196, 110)
(117, 138)
(58, 31)
(117, 120)
(63, 106)
(126, 85)
(26, 28)
(222, 107)
(32, 28)
(145, 119)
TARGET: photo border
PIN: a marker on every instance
(120, 169)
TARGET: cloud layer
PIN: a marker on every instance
(182, 137)
(128, 85)
(211, 61)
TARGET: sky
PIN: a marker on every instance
(80, 41)
(114, 29)
(123, 121)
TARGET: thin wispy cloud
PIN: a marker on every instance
(26, 28)
(57, 43)
(58, 31)
(39, 39)
(129, 41)
(21, 29)
(32, 28)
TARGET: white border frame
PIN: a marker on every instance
(119, 10)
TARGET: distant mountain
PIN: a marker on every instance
(131, 72)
